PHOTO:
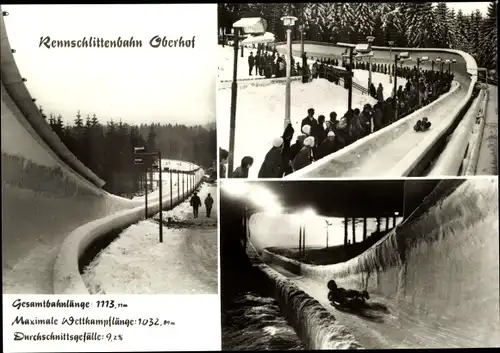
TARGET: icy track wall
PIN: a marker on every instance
(67, 276)
(443, 262)
(15, 86)
(465, 71)
(315, 326)
(46, 191)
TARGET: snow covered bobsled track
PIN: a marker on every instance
(433, 280)
(46, 192)
(396, 149)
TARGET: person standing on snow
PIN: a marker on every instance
(271, 167)
(251, 63)
(309, 119)
(209, 202)
(380, 93)
(244, 168)
(328, 146)
(305, 156)
(195, 202)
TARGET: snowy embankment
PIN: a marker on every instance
(438, 273)
(66, 274)
(261, 111)
(136, 263)
(316, 328)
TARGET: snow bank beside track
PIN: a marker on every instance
(66, 271)
(441, 264)
(315, 326)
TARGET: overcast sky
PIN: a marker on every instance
(166, 85)
(468, 7)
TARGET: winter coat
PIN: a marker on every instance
(310, 122)
(364, 121)
(303, 158)
(319, 134)
(294, 150)
(240, 172)
(222, 171)
(195, 201)
(209, 201)
(378, 119)
(380, 94)
(271, 167)
(327, 147)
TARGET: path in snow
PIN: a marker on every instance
(185, 263)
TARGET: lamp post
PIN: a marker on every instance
(234, 94)
(142, 157)
(439, 61)
(420, 60)
(449, 62)
(242, 26)
(394, 219)
(397, 58)
(391, 43)
(302, 53)
(370, 40)
(364, 50)
(288, 22)
(171, 191)
(349, 76)
(328, 224)
(300, 238)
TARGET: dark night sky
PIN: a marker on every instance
(339, 198)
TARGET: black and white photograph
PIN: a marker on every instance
(361, 90)
(109, 150)
(350, 264)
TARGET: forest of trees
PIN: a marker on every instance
(408, 24)
(107, 149)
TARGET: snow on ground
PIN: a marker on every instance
(226, 59)
(225, 70)
(260, 114)
(185, 263)
(361, 77)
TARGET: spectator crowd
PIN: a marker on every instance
(320, 136)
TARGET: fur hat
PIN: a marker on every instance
(331, 134)
(277, 142)
(309, 141)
